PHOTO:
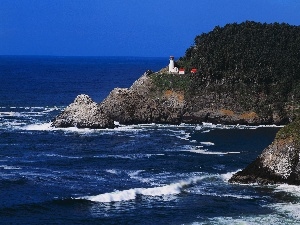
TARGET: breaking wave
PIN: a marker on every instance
(131, 194)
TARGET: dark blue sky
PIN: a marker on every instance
(125, 27)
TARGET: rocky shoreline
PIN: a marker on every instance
(247, 74)
(143, 102)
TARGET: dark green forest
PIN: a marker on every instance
(258, 62)
(255, 54)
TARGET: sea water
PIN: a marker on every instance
(139, 174)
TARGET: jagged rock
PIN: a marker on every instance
(83, 113)
(143, 103)
(278, 163)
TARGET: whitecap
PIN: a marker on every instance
(228, 175)
(207, 152)
(130, 194)
(6, 167)
(38, 127)
(136, 176)
(207, 143)
(112, 171)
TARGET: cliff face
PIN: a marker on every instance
(143, 103)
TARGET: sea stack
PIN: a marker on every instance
(83, 113)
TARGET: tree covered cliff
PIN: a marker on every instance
(248, 73)
(257, 65)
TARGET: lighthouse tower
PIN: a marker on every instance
(171, 64)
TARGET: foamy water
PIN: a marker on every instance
(125, 195)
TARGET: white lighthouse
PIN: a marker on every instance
(172, 68)
(171, 64)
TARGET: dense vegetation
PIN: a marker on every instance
(290, 131)
(258, 63)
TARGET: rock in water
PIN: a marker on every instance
(83, 113)
(278, 163)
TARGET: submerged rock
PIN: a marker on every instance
(278, 163)
(83, 113)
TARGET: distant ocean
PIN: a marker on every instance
(139, 174)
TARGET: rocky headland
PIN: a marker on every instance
(248, 73)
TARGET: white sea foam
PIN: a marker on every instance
(38, 127)
(228, 175)
(136, 175)
(6, 167)
(207, 152)
(207, 143)
(291, 189)
(207, 126)
(48, 127)
(112, 171)
(125, 195)
(291, 210)
(227, 195)
(206, 131)
(62, 156)
(7, 113)
(128, 156)
(184, 136)
(250, 220)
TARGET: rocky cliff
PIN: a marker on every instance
(278, 163)
(146, 102)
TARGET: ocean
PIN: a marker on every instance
(138, 174)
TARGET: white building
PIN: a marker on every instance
(172, 68)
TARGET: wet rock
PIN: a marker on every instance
(278, 163)
(83, 113)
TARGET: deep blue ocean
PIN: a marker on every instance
(139, 174)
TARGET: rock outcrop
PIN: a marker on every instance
(146, 102)
(83, 113)
(143, 103)
(278, 163)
